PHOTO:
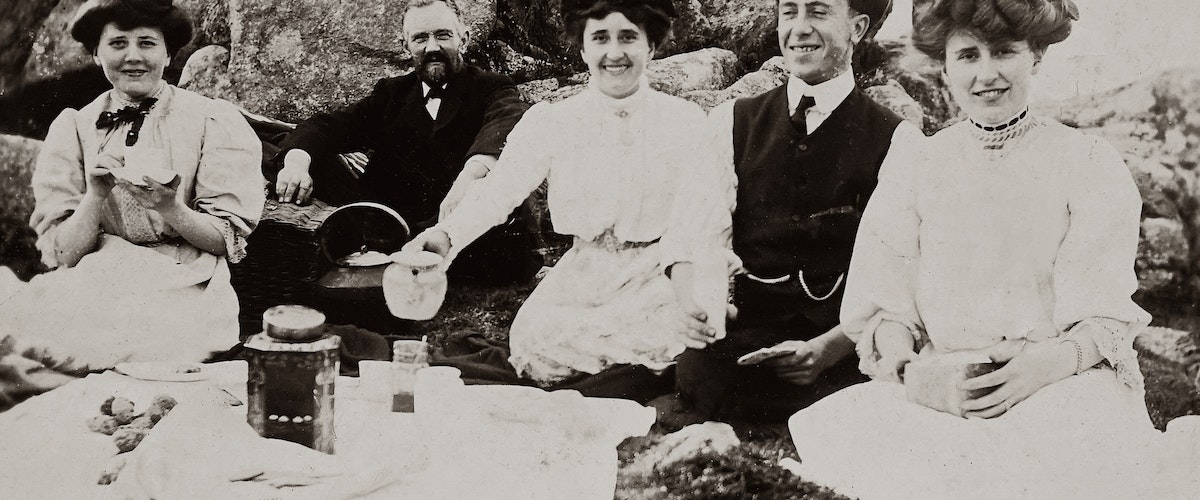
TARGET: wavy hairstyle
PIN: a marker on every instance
(94, 15)
(653, 16)
(1039, 22)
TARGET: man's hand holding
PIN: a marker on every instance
(811, 357)
(294, 184)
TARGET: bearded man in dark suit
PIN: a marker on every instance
(429, 134)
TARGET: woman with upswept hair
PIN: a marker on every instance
(614, 157)
(1007, 239)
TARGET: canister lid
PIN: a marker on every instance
(261, 342)
(293, 323)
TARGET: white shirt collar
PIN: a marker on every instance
(829, 94)
(425, 89)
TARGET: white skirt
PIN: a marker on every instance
(1087, 436)
(605, 303)
(123, 303)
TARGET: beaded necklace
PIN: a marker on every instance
(998, 139)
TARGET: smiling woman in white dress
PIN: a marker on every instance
(614, 156)
(1011, 235)
(140, 260)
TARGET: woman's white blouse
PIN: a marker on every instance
(609, 164)
(205, 141)
(972, 249)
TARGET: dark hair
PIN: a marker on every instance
(1039, 22)
(94, 15)
(876, 10)
(653, 16)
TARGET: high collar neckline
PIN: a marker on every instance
(120, 102)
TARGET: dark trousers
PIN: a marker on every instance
(711, 383)
(484, 361)
(505, 254)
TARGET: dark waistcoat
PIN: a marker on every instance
(799, 199)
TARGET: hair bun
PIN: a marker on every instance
(574, 7)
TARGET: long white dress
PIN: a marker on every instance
(613, 169)
(970, 239)
(143, 294)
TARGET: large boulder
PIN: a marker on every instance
(54, 52)
(293, 58)
(207, 72)
(19, 22)
(770, 75)
(745, 27)
(705, 69)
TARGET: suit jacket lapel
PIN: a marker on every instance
(451, 103)
(414, 105)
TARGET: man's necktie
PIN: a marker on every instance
(435, 93)
(798, 116)
(134, 115)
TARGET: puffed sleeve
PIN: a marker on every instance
(1093, 273)
(881, 282)
(522, 167)
(58, 183)
(229, 180)
(701, 219)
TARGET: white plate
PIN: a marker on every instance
(165, 372)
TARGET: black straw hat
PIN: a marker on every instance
(94, 15)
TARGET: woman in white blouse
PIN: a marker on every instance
(614, 156)
(1012, 236)
(142, 197)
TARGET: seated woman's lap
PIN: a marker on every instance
(1087, 432)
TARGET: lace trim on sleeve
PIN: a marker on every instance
(1114, 340)
(235, 243)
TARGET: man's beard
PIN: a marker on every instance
(437, 75)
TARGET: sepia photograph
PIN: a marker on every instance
(599, 249)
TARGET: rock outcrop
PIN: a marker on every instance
(19, 22)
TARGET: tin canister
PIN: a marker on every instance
(290, 384)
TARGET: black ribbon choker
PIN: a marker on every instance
(134, 115)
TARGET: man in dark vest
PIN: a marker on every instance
(430, 134)
(795, 168)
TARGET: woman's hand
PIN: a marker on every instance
(98, 179)
(1025, 372)
(895, 346)
(153, 195)
(430, 240)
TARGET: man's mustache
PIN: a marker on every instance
(432, 57)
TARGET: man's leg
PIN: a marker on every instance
(632, 382)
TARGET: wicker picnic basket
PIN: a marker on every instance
(282, 260)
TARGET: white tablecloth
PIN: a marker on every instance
(47, 451)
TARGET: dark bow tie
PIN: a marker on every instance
(134, 115)
(435, 93)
